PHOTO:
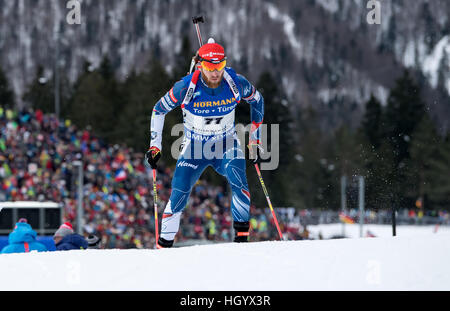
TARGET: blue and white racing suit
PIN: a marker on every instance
(209, 140)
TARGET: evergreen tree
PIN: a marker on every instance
(96, 101)
(424, 147)
(142, 91)
(381, 177)
(183, 60)
(66, 93)
(133, 121)
(371, 123)
(376, 156)
(6, 94)
(439, 179)
(92, 106)
(345, 151)
(105, 69)
(40, 93)
(308, 177)
(276, 112)
(404, 111)
(111, 88)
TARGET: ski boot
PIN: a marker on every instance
(241, 230)
(163, 243)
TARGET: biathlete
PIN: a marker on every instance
(208, 98)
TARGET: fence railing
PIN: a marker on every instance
(382, 217)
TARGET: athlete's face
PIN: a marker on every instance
(212, 78)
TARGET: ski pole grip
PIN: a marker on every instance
(198, 19)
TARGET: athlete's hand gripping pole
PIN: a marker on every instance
(255, 162)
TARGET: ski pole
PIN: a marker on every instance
(268, 200)
(196, 20)
(155, 199)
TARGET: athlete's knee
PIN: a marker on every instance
(236, 176)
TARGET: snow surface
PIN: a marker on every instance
(411, 261)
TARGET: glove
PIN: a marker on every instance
(254, 145)
(255, 150)
(152, 156)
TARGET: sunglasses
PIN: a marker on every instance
(211, 65)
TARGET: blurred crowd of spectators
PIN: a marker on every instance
(37, 154)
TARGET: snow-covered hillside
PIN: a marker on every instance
(407, 262)
(324, 50)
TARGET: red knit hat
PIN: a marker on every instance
(212, 56)
(64, 229)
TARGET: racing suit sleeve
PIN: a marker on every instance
(172, 99)
(252, 96)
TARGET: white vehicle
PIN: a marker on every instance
(44, 217)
